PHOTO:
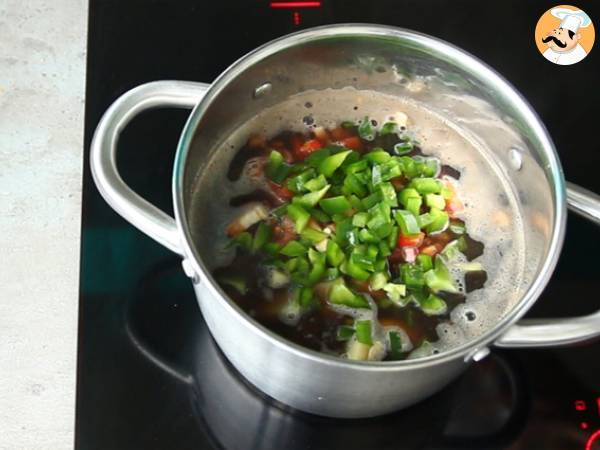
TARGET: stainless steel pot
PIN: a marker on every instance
(365, 57)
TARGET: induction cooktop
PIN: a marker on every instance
(149, 374)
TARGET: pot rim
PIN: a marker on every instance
(454, 55)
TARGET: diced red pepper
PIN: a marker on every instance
(413, 240)
(353, 143)
(454, 206)
(410, 254)
(280, 191)
(307, 148)
(403, 254)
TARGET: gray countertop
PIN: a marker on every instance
(42, 84)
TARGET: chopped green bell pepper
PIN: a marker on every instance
(377, 281)
(413, 205)
(384, 249)
(243, 240)
(319, 215)
(407, 193)
(402, 148)
(372, 200)
(390, 169)
(367, 237)
(330, 164)
(395, 345)
(352, 270)
(335, 205)
(272, 248)
(412, 276)
(453, 248)
(439, 278)
(392, 239)
(352, 185)
(331, 274)
(363, 332)
(433, 306)
(293, 248)
(334, 253)
(235, 281)
(299, 215)
(377, 156)
(296, 184)
(360, 219)
(439, 221)
(431, 167)
(426, 185)
(356, 167)
(316, 183)
(425, 262)
(306, 298)
(312, 198)
(366, 130)
(435, 201)
(318, 266)
(277, 170)
(424, 220)
(312, 235)
(344, 333)
(458, 227)
(407, 222)
(317, 157)
(341, 295)
(396, 293)
(388, 128)
(261, 236)
(388, 194)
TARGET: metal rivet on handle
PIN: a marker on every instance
(189, 271)
(262, 90)
(477, 354)
(515, 158)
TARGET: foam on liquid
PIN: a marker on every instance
(491, 209)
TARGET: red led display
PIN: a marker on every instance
(295, 4)
(583, 425)
(296, 18)
(580, 405)
(593, 438)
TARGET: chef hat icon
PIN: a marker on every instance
(571, 19)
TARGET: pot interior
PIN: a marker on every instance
(459, 110)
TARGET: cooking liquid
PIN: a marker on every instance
(491, 215)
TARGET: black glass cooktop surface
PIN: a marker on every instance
(150, 375)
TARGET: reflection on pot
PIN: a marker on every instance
(483, 406)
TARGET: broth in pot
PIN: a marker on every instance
(404, 312)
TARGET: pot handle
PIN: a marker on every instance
(143, 215)
(557, 332)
